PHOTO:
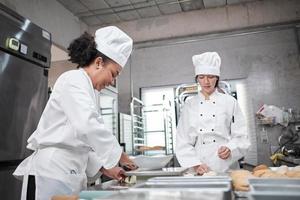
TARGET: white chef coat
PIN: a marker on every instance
(71, 140)
(206, 125)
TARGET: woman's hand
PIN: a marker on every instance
(224, 152)
(114, 173)
(126, 162)
(201, 169)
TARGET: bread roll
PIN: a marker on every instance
(259, 173)
(259, 167)
(240, 179)
(282, 169)
(65, 197)
(297, 168)
(272, 174)
(293, 174)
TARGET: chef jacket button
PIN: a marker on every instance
(203, 142)
(201, 115)
(214, 102)
(214, 115)
(212, 129)
(200, 129)
(214, 140)
(201, 102)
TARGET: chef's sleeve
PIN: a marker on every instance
(185, 143)
(239, 141)
(81, 111)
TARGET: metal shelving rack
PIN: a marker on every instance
(166, 130)
(138, 133)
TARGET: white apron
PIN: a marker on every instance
(207, 151)
(52, 177)
(205, 126)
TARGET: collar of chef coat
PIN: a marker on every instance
(213, 96)
(96, 92)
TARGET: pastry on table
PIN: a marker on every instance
(240, 179)
(260, 167)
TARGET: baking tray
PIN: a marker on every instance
(163, 195)
(224, 186)
(214, 187)
(274, 181)
(267, 195)
(276, 188)
(173, 171)
(191, 179)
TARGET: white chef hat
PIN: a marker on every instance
(207, 63)
(114, 43)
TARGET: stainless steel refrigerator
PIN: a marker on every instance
(24, 63)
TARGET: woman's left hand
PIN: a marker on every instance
(126, 162)
(224, 152)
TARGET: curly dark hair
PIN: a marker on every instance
(83, 52)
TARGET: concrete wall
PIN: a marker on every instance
(233, 17)
(253, 49)
(267, 60)
(51, 16)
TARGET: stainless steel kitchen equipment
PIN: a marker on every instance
(167, 179)
(172, 171)
(140, 115)
(163, 129)
(125, 131)
(24, 62)
(108, 99)
(214, 187)
(274, 189)
(163, 195)
(137, 120)
(182, 93)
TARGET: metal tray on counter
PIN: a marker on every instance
(163, 195)
(274, 189)
(223, 187)
(274, 181)
(191, 179)
(268, 195)
(173, 171)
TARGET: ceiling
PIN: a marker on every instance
(102, 12)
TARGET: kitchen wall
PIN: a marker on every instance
(267, 60)
(259, 45)
(233, 17)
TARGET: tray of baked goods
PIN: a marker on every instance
(267, 182)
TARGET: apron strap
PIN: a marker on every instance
(31, 188)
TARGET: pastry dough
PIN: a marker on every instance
(210, 173)
(297, 168)
(240, 179)
(283, 169)
(259, 167)
(259, 173)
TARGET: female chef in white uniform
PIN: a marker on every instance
(71, 141)
(211, 133)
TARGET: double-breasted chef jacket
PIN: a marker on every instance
(205, 126)
(71, 140)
